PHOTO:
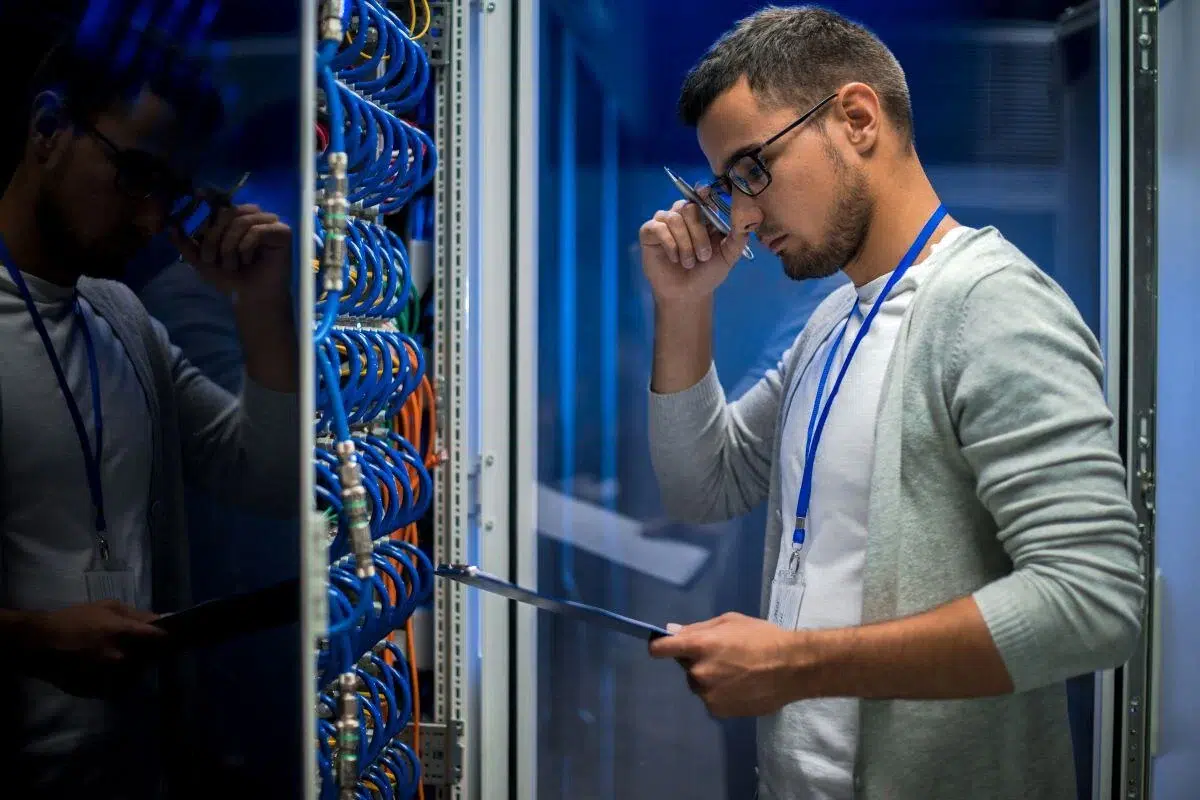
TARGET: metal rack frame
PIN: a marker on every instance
(1138, 22)
(526, 158)
(1110, 335)
(1125, 720)
(451, 285)
(493, 128)
(314, 562)
(485, 288)
(451, 734)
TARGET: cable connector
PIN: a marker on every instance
(348, 735)
(336, 221)
(331, 20)
(356, 510)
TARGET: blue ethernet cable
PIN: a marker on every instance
(369, 77)
(402, 759)
(372, 743)
(391, 682)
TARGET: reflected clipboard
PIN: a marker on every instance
(228, 618)
(473, 576)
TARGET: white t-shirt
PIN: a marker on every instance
(835, 548)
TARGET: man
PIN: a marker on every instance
(102, 419)
(948, 521)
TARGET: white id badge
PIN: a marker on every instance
(110, 579)
(787, 591)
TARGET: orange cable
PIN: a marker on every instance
(410, 423)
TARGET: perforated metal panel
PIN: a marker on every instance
(451, 364)
(998, 103)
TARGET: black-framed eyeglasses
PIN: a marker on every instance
(748, 173)
(143, 176)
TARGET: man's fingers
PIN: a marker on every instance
(272, 234)
(698, 229)
(187, 247)
(677, 230)
(246, 226)
(129, 621)
(678, 646)
(212, 231)
(129, 612)
(678, 226)
(655, 234)
(733, 244)
(703, 625)
(675, 627)
(141, 630)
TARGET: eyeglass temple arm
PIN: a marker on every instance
(803, 118)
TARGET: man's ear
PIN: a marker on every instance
(48, 119)
(49, 113)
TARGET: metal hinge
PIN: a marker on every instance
(1154, 731)
(1146, 20)
(440, 394)
(474, 500)
(320, 529)
(1145, 460)
(441, 752)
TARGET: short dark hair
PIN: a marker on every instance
(86, 87)
(90, 86)
(797, 56)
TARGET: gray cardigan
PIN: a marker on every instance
(995, 475)
(243, 450)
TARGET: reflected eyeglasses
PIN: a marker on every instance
(143, 176)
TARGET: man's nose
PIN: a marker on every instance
(744, 214)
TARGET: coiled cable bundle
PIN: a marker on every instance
(372, 482)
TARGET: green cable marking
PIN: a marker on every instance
(409, 319)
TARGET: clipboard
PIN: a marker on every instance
(227, 618)
(474, 576)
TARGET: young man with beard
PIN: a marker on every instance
(101, 420)
(950, 538)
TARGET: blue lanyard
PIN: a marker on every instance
(91, 458)
(820, 412)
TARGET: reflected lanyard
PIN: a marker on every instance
(91, 458)
(820, 412)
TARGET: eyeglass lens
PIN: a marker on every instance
(749, 175)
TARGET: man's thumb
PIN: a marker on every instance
(733, 244)
(135, 614)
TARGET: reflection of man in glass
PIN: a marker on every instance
(102, 419)
(947, 517)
